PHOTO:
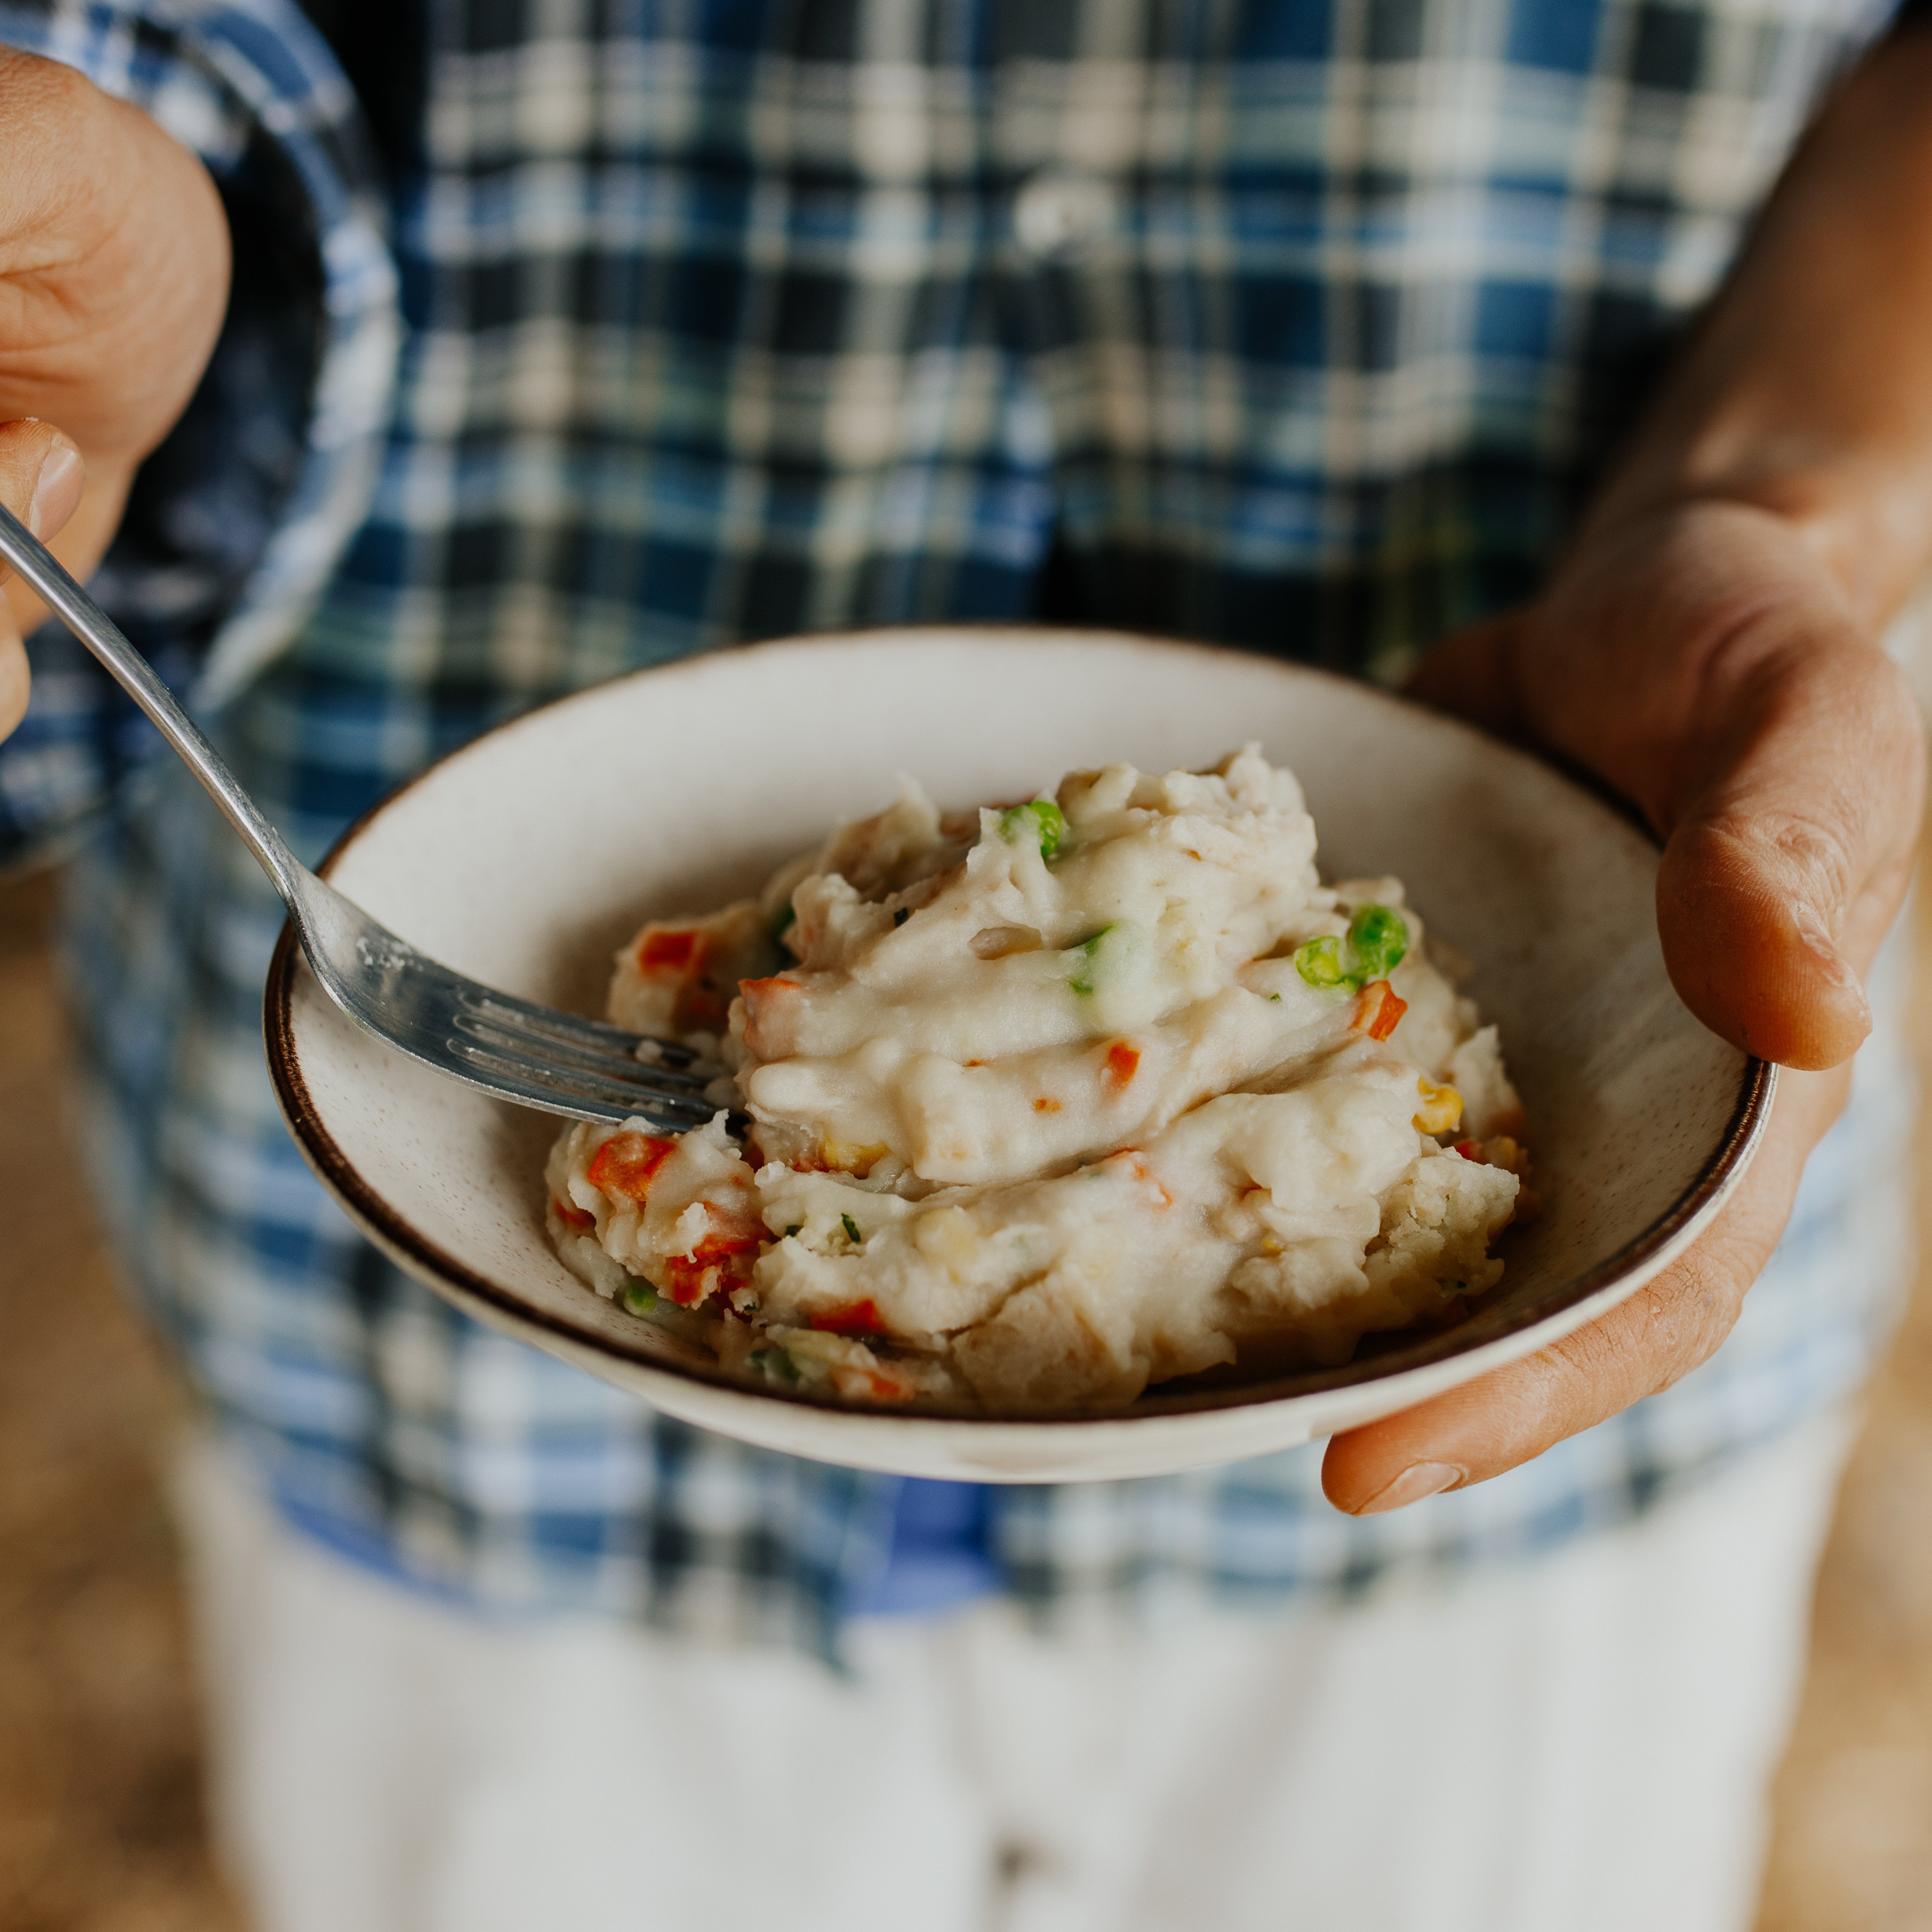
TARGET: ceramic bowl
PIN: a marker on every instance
(527, 857)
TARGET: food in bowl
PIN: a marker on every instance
(1032, 1106)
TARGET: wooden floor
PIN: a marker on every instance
(101, 1828)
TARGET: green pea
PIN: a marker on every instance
(1379, 939)
(1319, 962)
(1041, 821)
(1377, 942)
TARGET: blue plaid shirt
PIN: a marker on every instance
(618, 332)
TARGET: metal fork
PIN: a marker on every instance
(534, 1055)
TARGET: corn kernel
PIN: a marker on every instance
(840, 1158)
(1442, 1108)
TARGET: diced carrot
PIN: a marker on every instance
(881, 1382)
(1470, 1149)
(719, 1263)
(669, 953)
(857, 1318)
(1378, 1010)
(572, 1216)
(1124, 1062)
(626, 1163)
(1044, 1106)
(685, 1282)
(703, 1004)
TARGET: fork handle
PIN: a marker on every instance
(38, 566)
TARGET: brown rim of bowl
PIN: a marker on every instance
(1749, 1116)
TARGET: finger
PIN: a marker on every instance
(1472, 673)
(41, 479)
(1786, 862)
(41, 475)
(13, 672)
(1644, 1344)
(1708, 666)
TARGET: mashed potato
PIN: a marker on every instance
(1034, 1106)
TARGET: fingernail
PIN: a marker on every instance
(57, 470)
(1417, 1480)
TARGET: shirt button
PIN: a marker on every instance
(1056, 215)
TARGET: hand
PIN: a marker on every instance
(113, 282)
(1705, 662)
(41, 480)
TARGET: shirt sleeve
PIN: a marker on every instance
(235, 524)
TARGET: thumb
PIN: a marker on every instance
(1473, 672)
(41, 476)
(1792, 846)
(1705, 663)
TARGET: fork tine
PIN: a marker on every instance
(570, 1029)
(561, 1052)
(533, 1055)
(621, 1099)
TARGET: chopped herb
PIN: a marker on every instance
(1082, 981)
(640, 1298)
(900, 917)
(1109, 962)
(1276, 997)
(1377, 941)
(793, 1229)
(851, 1228)
(782, 924)
(1041, 821)
(773, 1364)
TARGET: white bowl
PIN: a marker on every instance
(527, 856)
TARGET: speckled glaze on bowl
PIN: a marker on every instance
(527, 856)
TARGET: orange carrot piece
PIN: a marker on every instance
(626, 1163)
(858, 1318)
(1379, 1010)
(666, 953)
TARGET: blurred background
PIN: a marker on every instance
(100, 1827)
